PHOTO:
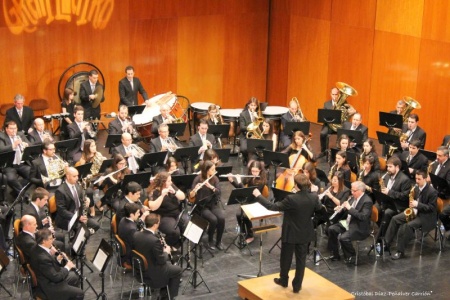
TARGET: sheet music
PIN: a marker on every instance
(256, 210)
(73, 220)
(193, 232)
(100, 259)
(80, 240)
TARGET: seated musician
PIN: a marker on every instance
(126, 229)
(333, 196)
(341, 164)
(441, 168)
(446, 141)
(165, 200)
(163, 118)
(163, 142)
(412, 131)
(210, 155)
(206, 191)
(355, 124)
(369, 176)
(81, 131)
(202, 139)
(292, 115)
(48, 169)
(310, 171)
(25, 240)
(355, 226)
(267, 134)
(39, 134)
(421, 214)
(396, 185)
(69, 199)
(130, 151)
(369, 149)
(342, 144)
(415, 160)
(121, 123)
(132, 195)
(299, 143)
(248, 116)
(12, 140)
(67, 106)
(91, 155)
(172, 167)
(213, 116)
(257, 178)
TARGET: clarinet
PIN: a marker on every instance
(163, 242)
(65, 260)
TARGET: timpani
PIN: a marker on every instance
(200, 109)
(231, 115)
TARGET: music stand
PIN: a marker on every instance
(355, 136)
(440, 184)
(135, 109)
(183, 182)
(329, 116)
(219, 131)
(78, 247)
(390, 120)
(291, 127)
(176, 129)
(352, 159)
(279, 195)
(322, 176)
(258, 146)
(380, 198)
(186, 154)
(276, 159)
(143, 179)
(108, 199)
(222, 171)
(405, 169)
(100, 261)
(6, 161)
(105, 165)
(113, 140)
(223, 154)
(63, 146)
(240, 196)
(429, 154)
(194, 232)
(31, 152)
(83, 170)
(389, 140)
(152, 160)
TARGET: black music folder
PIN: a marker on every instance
(329, 116)
(292, 127)
(391, 120)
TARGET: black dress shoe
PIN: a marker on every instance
(296, 290)
(279, 282)
(398, 255)
(210, 246)
(350, 260)
(220, 246)
(334, 257)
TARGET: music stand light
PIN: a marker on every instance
(291, 127)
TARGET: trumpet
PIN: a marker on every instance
(137, 151)
(298, 116)
(22, 145)
(89, 129)
(171, 145)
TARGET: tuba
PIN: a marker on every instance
(341, 104)
(411, 104)
(253, 130)
(409, 212)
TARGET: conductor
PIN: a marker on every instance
(297, 230)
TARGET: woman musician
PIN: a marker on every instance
(369, 149)
(67, 106)
(341, 165)
(310, 171)
(247, 117)
(333, 196)
(267, 134)
(210, 155)
(214, 117)
(206, 192)
(369, 176)
(257, 179)
(165, 200)
(299, 143)
(172, 166)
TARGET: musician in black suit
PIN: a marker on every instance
(356, 124)
(357, 223)
(87, 96)
(69, 200)
(126, 230)
(203, 139)
(249, 115)
(413, 132)
(12, 140)
(39, 134)
(163, 118)
(370, 176)
(38, 209)
(133, 193)
(397, 186)
(26, 240)
(446, 141)
(54, 280)
(292, 115)
(128, 151)
(129, 87)
(22, 115)
(297, 230)
(39, 167)
(160, 272)
(423, 206)
(414, 159)
(441, 168)
(121, 123)
(163, 142)
(79, 129)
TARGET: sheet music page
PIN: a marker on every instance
(256, 210)
(80, 239)
(100, 259)
(193, 232)
(73, 220)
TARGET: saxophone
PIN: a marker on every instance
(332, 171)
(381, 181)
(409, 212)
(430, 166)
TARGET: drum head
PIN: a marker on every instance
(74, 83)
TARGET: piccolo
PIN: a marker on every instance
(243, 176)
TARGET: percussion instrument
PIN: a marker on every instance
(274, 113)
(152, 111)
(231, 115)
(145, 131)
(199, 109)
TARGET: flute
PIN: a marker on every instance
(109, 175)
(195, 190)
(243, 176)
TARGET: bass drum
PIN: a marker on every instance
(145, 130)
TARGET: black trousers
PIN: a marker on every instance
(287, 252)
(216, 219)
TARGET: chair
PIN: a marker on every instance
(353, 177)
(438, 234)
(16, 227)
(39, 106)
(52, 208)
(373, 220)
(3, 109)
(4, 262)
(114, 225)
(382, 161)
(35, 290)
(21, 269)
(121, 250)
(140, 263)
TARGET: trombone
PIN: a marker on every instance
(298, 116)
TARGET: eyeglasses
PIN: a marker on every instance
(354, 191)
